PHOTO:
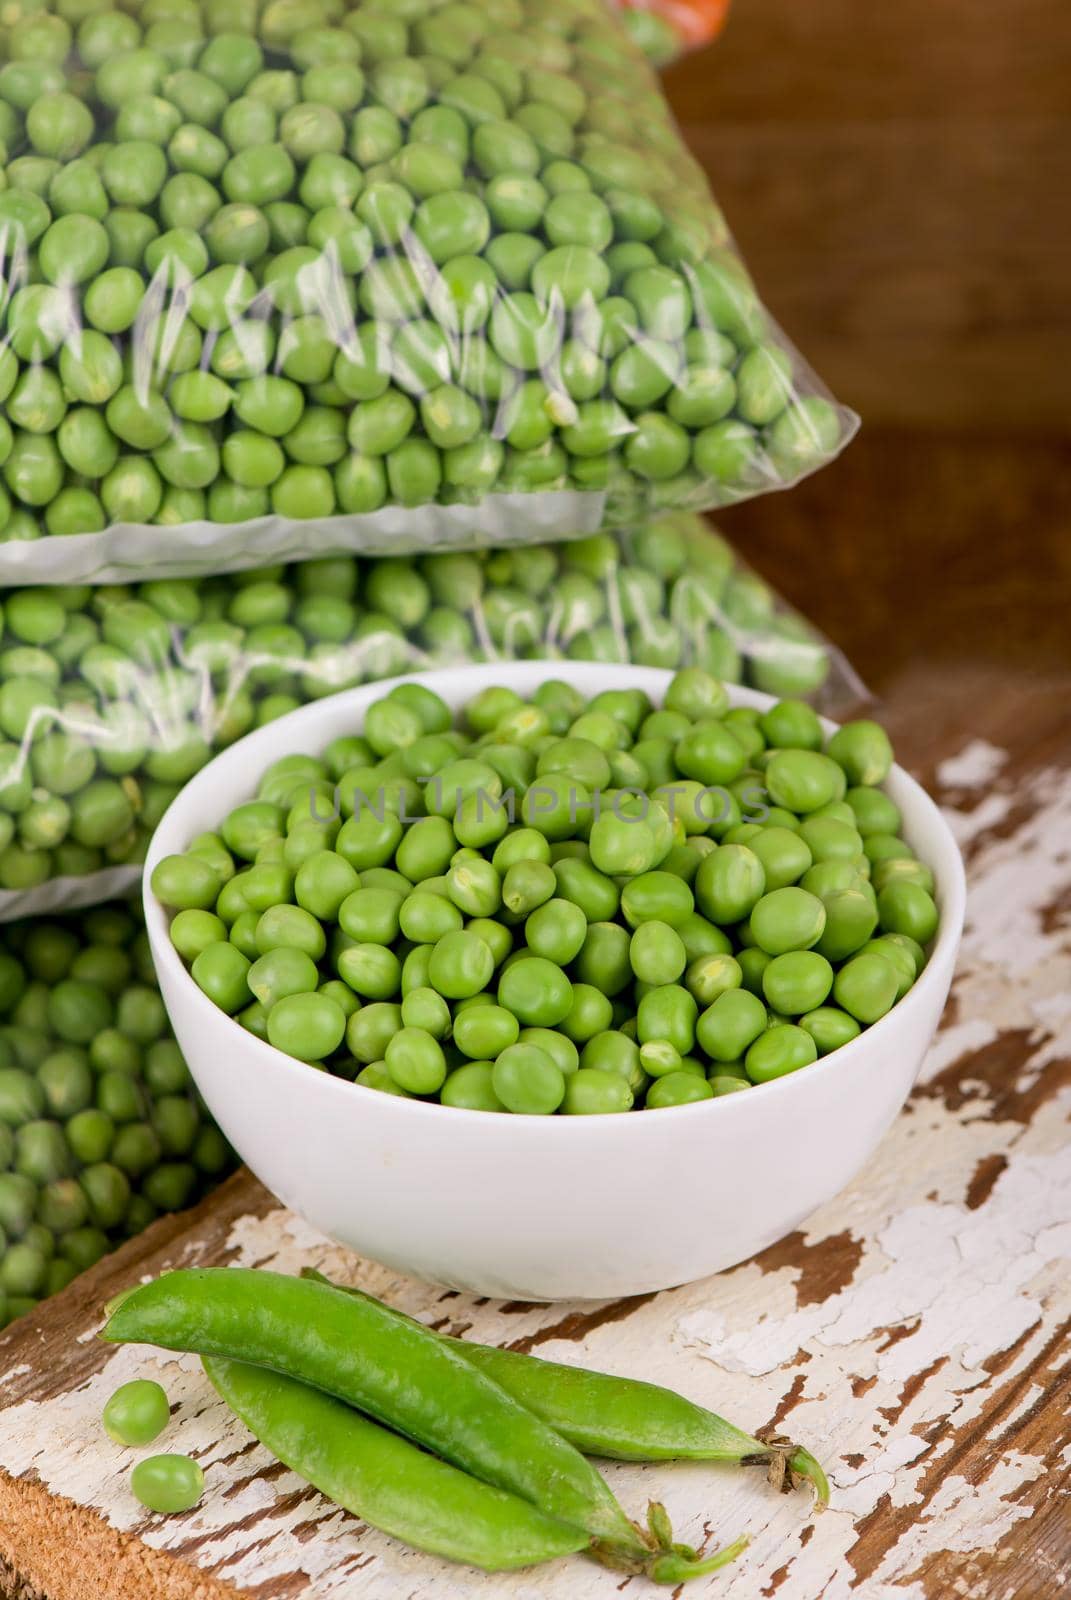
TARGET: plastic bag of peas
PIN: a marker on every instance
(112, 698)
(665, 29)
(101, 1128)
(291, 278)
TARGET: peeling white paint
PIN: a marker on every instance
(952, 1044)
(973, 767)
(970, 825)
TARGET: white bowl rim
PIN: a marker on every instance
(281, 737)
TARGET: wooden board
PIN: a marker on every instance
(892, 173)
(943, 550)
(916, 1333)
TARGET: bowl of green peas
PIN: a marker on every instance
(555, 980)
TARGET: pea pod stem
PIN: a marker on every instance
(387, 1366)
(625, 1419)
(675, 1567)
(387, 1481)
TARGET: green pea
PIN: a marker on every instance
(787, 919)
(783, 853)
(184, 882)
(591, 1012)
(590, 1092)
(167, 1483)
(461, 965)
(730, 883)
(907, 908)
(527, 1082)
(803, 780)
(866, 987)
(778, 1051)
(678, 1089)
(731, 1024)
(475, 887)
(556, 930)
(471, 1088)
(136, 1413)
(536, 991)
(830, 1028)
(797, 982)
(310, 1026)
(711, 975)
(221, 972)
(427, 1012)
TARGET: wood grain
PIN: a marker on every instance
(947, 550)
(916, 1332)
(893, 175)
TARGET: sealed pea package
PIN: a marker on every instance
(306, 277)
(112, 698)
(101, 1129)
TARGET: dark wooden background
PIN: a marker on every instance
(898, 177)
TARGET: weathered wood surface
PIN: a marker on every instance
(916, 1333)
(891, 173)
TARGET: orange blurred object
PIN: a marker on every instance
(695, 22)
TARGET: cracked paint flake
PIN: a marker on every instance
(973, 767)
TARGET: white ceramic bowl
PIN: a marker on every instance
(543, 1208)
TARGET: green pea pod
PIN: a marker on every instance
(624, 1419)
(387, 1481)
(387, 1366)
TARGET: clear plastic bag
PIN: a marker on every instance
(111, 699)
(308, 277)
(101, 1128)
(666, 29)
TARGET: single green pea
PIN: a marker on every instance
(867, 987)
(778, 1051)
(310, 1026)
(415, 1061)
(184, 882)
(167, 1483)
(221, 972)
(787, 919)
(657, 953)
(136, 1413)
(803, 780)
(590, 1013)
(797, 982)
(536, 991)
(668, 1013)
(556, 929)
(428, 1012)
(730, 883)
(711, 975)
(471, 1088)
(678, 1089)
(527, 1081)
(830, 1028)
(874, 812)
(864, 751)
(907, 908)
(731, 1024)
(462, 965)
